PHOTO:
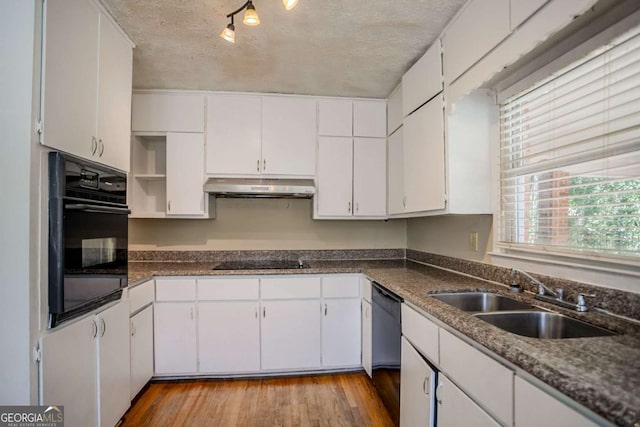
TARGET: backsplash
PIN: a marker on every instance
(613, 300)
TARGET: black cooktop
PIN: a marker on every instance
(260, 265)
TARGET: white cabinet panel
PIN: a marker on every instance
(288, 136)
(365, 288)
(114, 377)
(369, 177)
(424, 182)
(114, 97)
(289, 287)
(394, 110)
(229, 288)
(423, 80)
(167, 112)
(422, 333)
(366, 337)
(141, 295)
(341, 286)
(478, 29)
(370, 119)
(395, 173)
(417, 385)
(228, 337)
(341, 329)
(335, 117)
(523, 9)
(175, 338)
(534, 407)
(141, 349)
(175, 289)
(290, 335)
(335, 175)
(456, 409)
(185, 174)
(487, 381)
(234, 135)
(68, 369)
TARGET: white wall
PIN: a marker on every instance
(261, 224)
(19, 215)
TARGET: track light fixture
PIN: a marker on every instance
(250, 18)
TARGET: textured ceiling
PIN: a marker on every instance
(322, 47)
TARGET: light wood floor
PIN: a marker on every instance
(326, 400)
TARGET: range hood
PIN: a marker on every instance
(257, 187)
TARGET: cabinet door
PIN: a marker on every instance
(534, 407)
(424, 158)
(335, 117)
(290, 334)
(114, 378)
(394, 110)
(234, 134)
(423, 80)
(335, 174)
(369, 177)
(416, 388)
(229, 337)
(167, 112)
(366, 337)
(370, 119)
(175, 338)
(68, 371)
(114, 97)
(185, 174)
(395, 173)
(141, 350)
(71, 76)
(288, 136)
(456, 409)
(341, 329)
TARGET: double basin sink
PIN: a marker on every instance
(519, 317)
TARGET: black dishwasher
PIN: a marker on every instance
(386, 344)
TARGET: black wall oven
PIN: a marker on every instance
(88, 236)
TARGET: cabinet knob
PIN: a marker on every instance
(437, 398)
(258, 165)
(94, 145)
(349, 207)
(94, 329)
(425, 386)
(103, 326)
(357, 206)
(169, 205)
(264, 312)
(133, 328)
(264, 165)
(101, 147)
(325, 309)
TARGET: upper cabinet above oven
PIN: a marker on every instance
(87, 72)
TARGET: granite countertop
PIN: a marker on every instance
(601, 373)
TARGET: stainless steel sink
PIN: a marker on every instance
(542, 324)
(481, 301)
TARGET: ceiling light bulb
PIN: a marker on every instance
(289, 4)
(251, 16)
(229, 33)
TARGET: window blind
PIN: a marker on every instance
(570, 158)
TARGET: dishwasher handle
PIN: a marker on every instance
(384, 292)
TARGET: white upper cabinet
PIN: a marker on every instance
(395, 172)
(335, 172)
(523, 9)
(394, 110)
(369, 177)
(87, 84)
(480, 26)
(423, 80)
(335, 117)
(234, 135)
(185, 174)
(167, 112)
(370, 119)
(288, 136)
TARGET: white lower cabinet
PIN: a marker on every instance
(341, 332)
(290, 334)
(175, 338)
(417, 385)
(366, 337)
(228, 337)
(85, 367)
(141, 330)
(457, 409)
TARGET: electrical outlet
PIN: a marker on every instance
(473, 241)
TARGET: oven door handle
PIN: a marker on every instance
(99, 209)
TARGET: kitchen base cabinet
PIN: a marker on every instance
(290, 335)
(141, 349)
(417, 386)
(228, 337)
(175, 338)
(341, 333)
(456, 409)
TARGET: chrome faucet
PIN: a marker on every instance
(542, 288)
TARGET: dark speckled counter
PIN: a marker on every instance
(601, 373)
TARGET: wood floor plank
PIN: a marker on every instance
(347, 399)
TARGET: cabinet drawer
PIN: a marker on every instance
(229, 288)
(422, 333)
(290, 287)
(140, 296)
(340, 287)
(485, 380)
(175, 289)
